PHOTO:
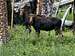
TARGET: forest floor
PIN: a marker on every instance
(48, 44)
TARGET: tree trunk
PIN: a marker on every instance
(74, 18)
(44, 7)
(74, 10)
(3, 22)
(9, 11)
(12, 14)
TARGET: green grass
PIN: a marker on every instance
(69, 16)
(46, 45)
(23, 44)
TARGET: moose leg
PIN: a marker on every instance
(38, 32)
(58, 32)
(28, 29)
(60, 35)
(37, 28)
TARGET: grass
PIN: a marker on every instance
(23, 44)
(46, 45)
(69, 16)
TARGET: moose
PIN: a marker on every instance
(45, 23)
(40, 22)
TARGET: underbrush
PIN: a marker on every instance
(48, 44)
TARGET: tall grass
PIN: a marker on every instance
(47, 44)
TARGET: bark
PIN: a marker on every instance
(74, 17)
(45, 7)
(3, 21)
(9, 11)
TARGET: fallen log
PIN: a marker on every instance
(62, 3)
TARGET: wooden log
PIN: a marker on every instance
(63, 3)
(68, 23)
(64, 17)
